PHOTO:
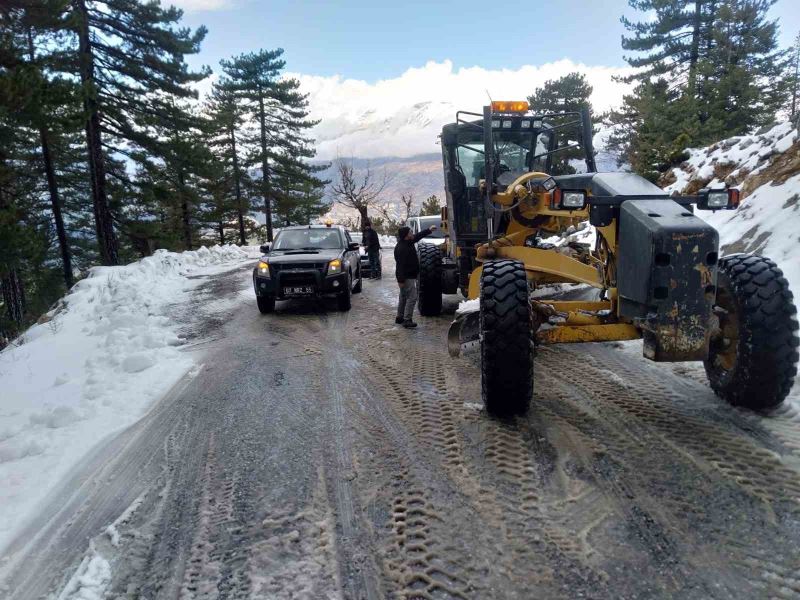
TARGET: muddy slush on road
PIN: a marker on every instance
(321, 454)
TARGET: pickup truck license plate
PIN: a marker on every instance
(303, 290)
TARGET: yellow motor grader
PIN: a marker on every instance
(654, 267)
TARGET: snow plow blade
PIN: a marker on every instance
(464, 333)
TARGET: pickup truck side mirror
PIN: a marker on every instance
(353, 246)
(265, 248)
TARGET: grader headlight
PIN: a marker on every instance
(573, 200)
(718, 199)
(567, 199)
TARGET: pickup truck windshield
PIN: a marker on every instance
(425, 222)
(308, 239)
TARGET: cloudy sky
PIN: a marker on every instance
(384, 76)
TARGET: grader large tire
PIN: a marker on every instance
(753, 361)
(430, 280)
(505, 331)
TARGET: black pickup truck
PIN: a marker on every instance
(308, 262)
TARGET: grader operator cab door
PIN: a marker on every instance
(464, 160)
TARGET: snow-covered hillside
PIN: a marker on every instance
(94, 366)
(765, 166)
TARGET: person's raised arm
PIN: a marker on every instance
(425, 233)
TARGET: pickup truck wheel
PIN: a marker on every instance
(344, 299)
(357, 288)
(266, 304)
(505, 333)
(752, 360)
(430, 280)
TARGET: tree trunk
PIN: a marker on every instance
(238, 184)
(362, 211)
(221, 229)
(104, 227)
(265, 166)
(55, 203)
(703, 96)
(796, 82)
(694, 53)
(185, 216)
(13, 296)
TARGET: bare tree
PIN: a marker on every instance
(408, 204)
(360, 191)
(350, 223)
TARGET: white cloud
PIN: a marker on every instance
(199, 5)
(403, 116)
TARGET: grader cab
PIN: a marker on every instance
(653, 271)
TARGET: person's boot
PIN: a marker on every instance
(409, 324)
(399, 320)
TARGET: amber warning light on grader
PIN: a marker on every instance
(507, 106)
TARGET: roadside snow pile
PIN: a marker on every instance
(106, 353)
(388, 241)
(766, 168)
(734, 161)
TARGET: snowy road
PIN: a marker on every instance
(319, 454)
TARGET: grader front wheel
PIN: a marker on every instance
(430, 280)
(505, 332)
(752, 360)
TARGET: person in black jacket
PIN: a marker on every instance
(407, 271)
(373, 246)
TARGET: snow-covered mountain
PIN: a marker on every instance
(396, 122)
(422, 175)
(765, 166)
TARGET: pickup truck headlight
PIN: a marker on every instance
(335, 267)
(263, 269)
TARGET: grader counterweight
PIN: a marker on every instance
(654, 269)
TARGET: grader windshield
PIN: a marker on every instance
(515, 151)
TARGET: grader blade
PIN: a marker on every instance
(464, 334)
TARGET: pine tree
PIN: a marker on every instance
(793, 80)
(280, 113)
(713, 71)
(743, 87)
(26, 263)
(299, 203)
(651, 129)
(430, 206)
(53, 112)
(225, 119)
(674, 41)
(32, 40)
(570, 93)
(128, 51)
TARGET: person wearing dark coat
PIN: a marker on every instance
(407, 272)
(373, 246)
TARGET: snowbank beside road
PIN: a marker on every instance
(766, 168)
(106, 353)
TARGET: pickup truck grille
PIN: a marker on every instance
(276, 267)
